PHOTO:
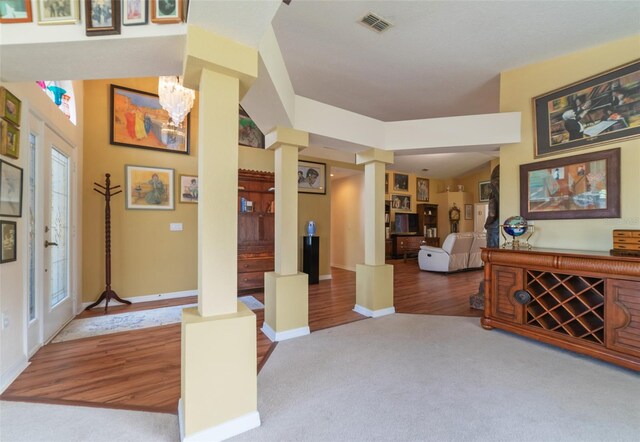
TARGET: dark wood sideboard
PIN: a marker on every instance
(587, 302)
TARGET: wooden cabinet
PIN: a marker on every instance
(428, 223)
(587, 302)
(255, 228)
(406, 245)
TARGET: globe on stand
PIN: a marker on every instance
(516, 226)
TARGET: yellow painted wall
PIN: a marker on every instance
(517, 88)
(347, 222)
(146, 258)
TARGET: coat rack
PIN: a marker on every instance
(108, 294)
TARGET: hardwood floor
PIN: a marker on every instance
(140, 370)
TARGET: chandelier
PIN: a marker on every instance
(175, 98)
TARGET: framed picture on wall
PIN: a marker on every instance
(102, 17)
(386, 183)
(138, 120)
(484, 191)
(58, 12)
(10, 190)
(575, 187)
(422, 190)
(166, 11)
(188, 189)
(401, 203)
(468, 211)
(9, 139)
(248, 132)
(149, 188)
(15, 11)
(311, 177)
(135, 12)
(10, 106)
(8, 250)
(593, 111)
(401, 182)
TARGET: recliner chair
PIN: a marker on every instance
(475, 258)
(452, 256)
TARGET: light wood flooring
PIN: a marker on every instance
(140, 370)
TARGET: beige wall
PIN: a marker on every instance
(146, 258)
(347, 222)
(517, 88)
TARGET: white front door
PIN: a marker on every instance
(58, 178)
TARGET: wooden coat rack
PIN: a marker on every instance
(108, 294)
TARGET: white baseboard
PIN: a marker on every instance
(148, 298)
(284, 335)
(223, 431)
(12, 373)
(374, 313)
(324, 277)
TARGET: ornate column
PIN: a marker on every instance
(374, 278)
(286, 291)
(219, 381)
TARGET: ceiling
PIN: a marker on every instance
(439, 59)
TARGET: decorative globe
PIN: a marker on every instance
(515, 226)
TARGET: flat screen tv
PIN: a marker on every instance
(406, 223)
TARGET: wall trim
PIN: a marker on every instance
(12, 373)
(325, 277)
(284, 335)
(374, 313)
(148, 298)
(351, 269)
(223, 431)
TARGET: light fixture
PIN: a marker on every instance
(176, 99)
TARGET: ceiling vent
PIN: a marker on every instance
(375, 22)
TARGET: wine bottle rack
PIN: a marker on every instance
(568, 304)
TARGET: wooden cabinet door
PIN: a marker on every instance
(504, 282)
(622, 316)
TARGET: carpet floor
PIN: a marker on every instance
(396, 378)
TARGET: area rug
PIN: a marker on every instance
(103, 325)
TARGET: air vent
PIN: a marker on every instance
(375, 22)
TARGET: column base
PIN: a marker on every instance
(286, 306)
(219, 392)
(374, 290)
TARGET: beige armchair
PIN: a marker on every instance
(452, 256)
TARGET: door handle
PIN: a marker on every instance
(47, 243)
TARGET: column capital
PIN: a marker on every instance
(286, 136)
(207, 50)
(374, 155)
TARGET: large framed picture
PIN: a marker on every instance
(9, 139)
(311, 177)
(166, 11)
(149, 188)
(248, 132)
(10, 106)
(58, 12)
(10, 190)
(188, 189)
(422, 190)
(135, 12)
(597, 110)
(103, 17)
(401, 203)
(580, 186)
(484, 191)
(138, 120)
(8, 250)
(401, 182)
(15, 11)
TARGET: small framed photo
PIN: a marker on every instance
(484, 190)
(401, 203)
(149, 188)
(9, 139)
(135, 12)
(10, 106)
(468, 211)
(311, 177)
(401, 182)
(386, 183)
(188, 189)
(58, 12)
(422, 190)
(103, 17)
(248, 132)
(8, 231)
(10, 190)
(166, 11)
(15, 11)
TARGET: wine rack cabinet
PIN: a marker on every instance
(588, 302)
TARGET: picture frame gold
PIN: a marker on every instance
(8, 241)
(149, 188)
(10, 106)
(58, 12)
(422, 190)
(9, 140)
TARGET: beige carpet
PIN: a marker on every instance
(395, 378)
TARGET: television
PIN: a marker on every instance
(406, 223)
